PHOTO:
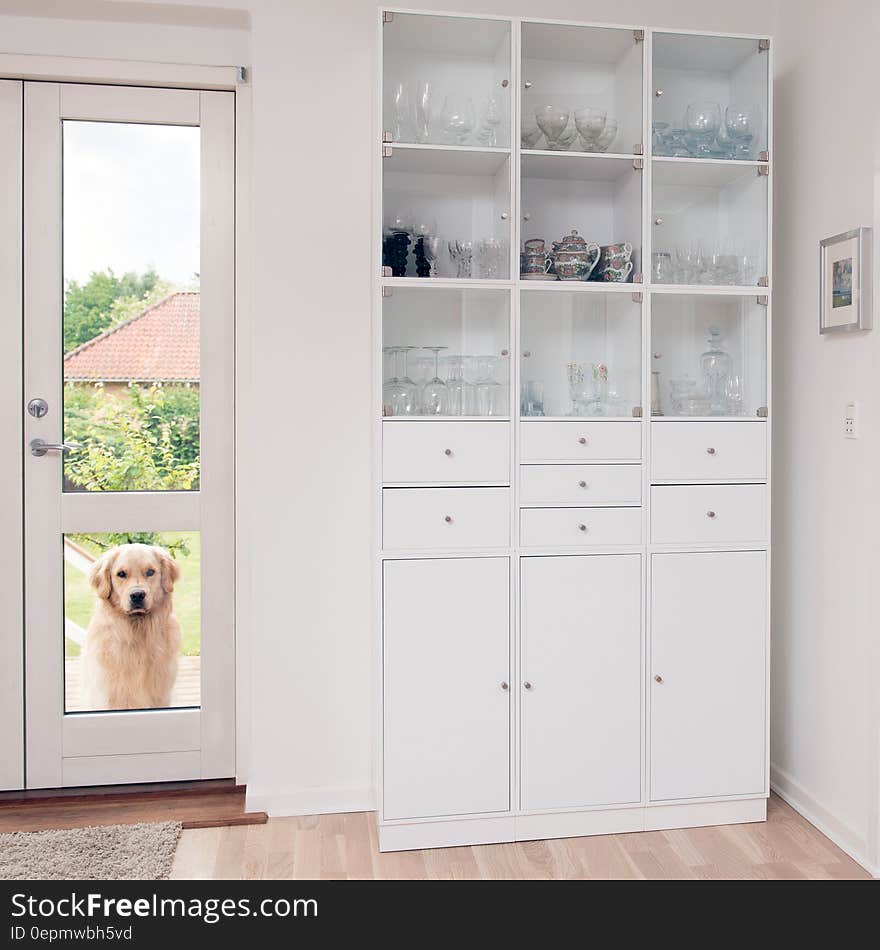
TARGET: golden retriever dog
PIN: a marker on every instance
(129, 659)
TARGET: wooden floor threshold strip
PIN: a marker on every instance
(214, 804)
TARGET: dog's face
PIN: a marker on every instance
(135, 578)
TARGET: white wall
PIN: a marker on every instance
(825, 602)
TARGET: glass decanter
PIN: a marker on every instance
(716, 365)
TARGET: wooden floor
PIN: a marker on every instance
(344, 846)
(186, 692)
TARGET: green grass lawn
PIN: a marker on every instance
(79, 596)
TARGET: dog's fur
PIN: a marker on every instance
(132, 643)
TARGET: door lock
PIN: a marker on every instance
(38, 408)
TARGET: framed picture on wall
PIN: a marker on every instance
(845, 282)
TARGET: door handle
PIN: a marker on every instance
(39, 447)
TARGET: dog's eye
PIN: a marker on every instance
(150, 572)
(120, 574)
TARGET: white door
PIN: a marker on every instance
(128, 341)
(581, 681)
(446, 664)
(708, 652)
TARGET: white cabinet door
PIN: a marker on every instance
(581, 709)
(708, 655)
(446, 702)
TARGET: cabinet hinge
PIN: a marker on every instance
(639, 36)
(763, 281)
(763, 171)
(638, 164)
(241, 75)
(387, 16)
(387, 292)
(638, 149)
(637, 412)
(763, 300)
(763, 45)
(387, 136)
(386, 151)
(763, 412)
(764, 156)
(638, 277)
(387, 272)
(637, 297)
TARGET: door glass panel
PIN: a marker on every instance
(132, 639)
(131, 306)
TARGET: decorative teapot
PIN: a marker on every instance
(574, 258)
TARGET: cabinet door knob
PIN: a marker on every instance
(658, 678)
(447, 451)
(710, 514)
(658, 93)
(527, 216)
(448, 519)
(527, 84)
(505, 83)
(582, 440)
(710, 451)
(504, 685)
(582, 484)
(504, 215)
(582, 527)
(527, 684)
(658, 221)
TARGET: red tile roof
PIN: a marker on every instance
(159, 345)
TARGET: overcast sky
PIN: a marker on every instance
(131, 200)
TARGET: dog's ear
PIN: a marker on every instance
(170, 570)
(99, 574)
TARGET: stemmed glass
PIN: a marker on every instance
(400, 113)
(400, 395)
(457, 118)
(462, 394)
(424, 109)
(435, 394)
(590, 125)
(489, 392)
(552, 122)
(462, 255)
(490, 254)
(487, 134)
(740, 125)
(702, 120)
(603, 143)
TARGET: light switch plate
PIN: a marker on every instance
(851, 421)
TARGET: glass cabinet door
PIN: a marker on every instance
(446, 81)
(709, 355)
(580, 354)
(446, 352)
(710, 97)
(582, 89)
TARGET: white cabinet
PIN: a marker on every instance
(708, 674)
(446, 670)
(581, 683)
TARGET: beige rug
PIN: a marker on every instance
(111, 853)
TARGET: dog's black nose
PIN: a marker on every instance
(137, 597)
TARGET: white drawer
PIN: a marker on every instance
(446, 452)
(433, 518)
(708, 451)
(580, 441)
(545, 486)
(696, 514)
(579, 527)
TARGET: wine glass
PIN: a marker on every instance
(489, 392)
(590, 124)
(435, 394)
(552, 122)
(424, 109)
(491, 118)
(408, 402)
(457, 118)
(462, 394)
(462, 254)
(489, 254)
(702, 121)
(606, 139)
(530, 133)
(389, 382)
(740, 124)
(401, 130)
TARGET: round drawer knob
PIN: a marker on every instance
(447, 451)
(448, 519)
(527, 684)
(582, 527)
(582, 484)
(582, 440)
(658, 678)
(710, 514)
(504, 686)
(710, 451)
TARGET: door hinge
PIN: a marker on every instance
(764, 156)
(241, 75)
(763, 45)
(637, 297)
(763, 412)
(387, 16)
(763, 171)
(638, 164)
(763, 281)
(637, 412)
(638, 149)
(638, 277)
(386, 151)
(387, 291)
(763, 300)
(639, 36)
(387, 272)
(387, 136)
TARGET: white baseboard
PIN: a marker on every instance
(845, 837)
(319, 800)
